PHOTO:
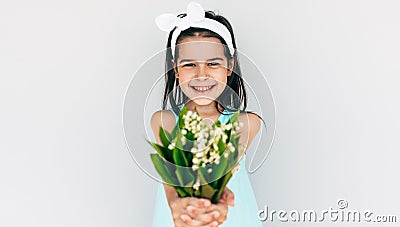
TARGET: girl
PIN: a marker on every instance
(203, 73)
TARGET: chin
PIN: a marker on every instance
(202, 101)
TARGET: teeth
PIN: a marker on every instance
(202, 88)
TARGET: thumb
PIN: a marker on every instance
(228, 196)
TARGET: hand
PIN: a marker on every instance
(215, 212)
(182, 217)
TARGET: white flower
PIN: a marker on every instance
(197, 184)
(184, 132)
(230, 147)
(215, 146)
(171, 146)
(224, 138)
(189, 113)
(226, 154)
(199, 154)
(209, 170)
(193, 150)
(195, 167)
(195, 160)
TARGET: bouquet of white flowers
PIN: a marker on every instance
(198, 158)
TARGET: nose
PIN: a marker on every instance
(202, 72)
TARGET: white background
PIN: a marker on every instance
(333, 67)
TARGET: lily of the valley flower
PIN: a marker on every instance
(171, 146)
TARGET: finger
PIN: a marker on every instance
(222, 209)
(198, 202)
(228, 203)
(177, 212)
(212, 224)
(185, 218)
(180, 223)
(193, 211)
(228, 196)
(208, 217)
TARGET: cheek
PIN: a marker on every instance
(222, 77)
(183, 81)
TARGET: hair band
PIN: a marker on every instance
(195, 17)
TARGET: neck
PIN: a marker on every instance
(203, 110)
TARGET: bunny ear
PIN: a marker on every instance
(166, 22)
(195, 12)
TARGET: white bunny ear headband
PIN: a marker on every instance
(195, 17)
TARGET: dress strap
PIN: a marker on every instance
(176, 116)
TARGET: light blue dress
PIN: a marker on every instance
(243, 214)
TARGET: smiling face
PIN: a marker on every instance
(202, 68)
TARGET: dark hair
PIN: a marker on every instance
(233, 97)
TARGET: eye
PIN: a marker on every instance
(189, 65)
(214, 63)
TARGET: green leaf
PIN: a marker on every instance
(179, 155)
(222, 184)
(162, 168)
(175, 131)
(190, 136)
(181, 121)
(162, 151)
(189, 187)
(189, 156)
(220, 169)
(197, 193)
(190, 191)
(165, 137)
(217, 123)
(207, 191)
(181, 191)
(201, 177)
(205, 176)
(184, 176)
(221, 147)
(235, 144)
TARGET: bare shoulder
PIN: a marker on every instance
(251, 122)
(163, 118)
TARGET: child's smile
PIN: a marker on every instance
(202, 89)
